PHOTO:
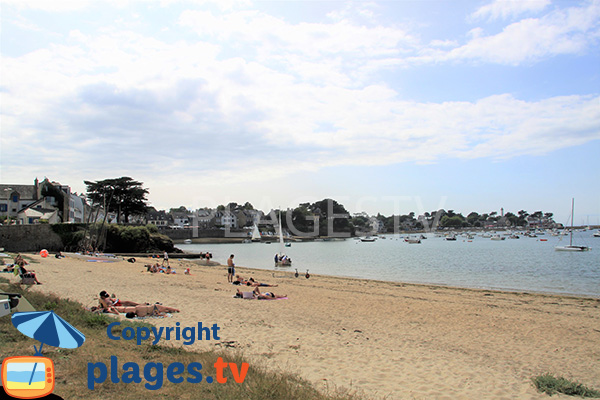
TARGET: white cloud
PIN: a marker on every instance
(502, 9)
(252, 91)
(569, 31)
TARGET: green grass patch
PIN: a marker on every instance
(71, 365)
(550, 384)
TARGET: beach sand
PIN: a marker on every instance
(386, 340)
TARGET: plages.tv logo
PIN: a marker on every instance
(32, 377)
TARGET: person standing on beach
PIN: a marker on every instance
(166, 259)
(230, 269)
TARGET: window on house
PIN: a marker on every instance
(3, 207)
(15, 198)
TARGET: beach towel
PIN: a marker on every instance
(279, 298)
(166, 315)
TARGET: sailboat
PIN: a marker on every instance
(570, 247)
(281, 260)
(255, 234)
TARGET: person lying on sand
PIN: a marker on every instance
(107, 302)
(142, 310)
(267, 295)
(253, 283)
(152, 268)
(146, 310)
(250, 282)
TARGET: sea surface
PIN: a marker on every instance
(525, 264)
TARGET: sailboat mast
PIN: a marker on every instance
(572, 218)
(280, 235)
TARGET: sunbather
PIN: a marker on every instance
(28, 274)
(250, 282)
(20, 261)
(107, 302)
(253, 283)
(146, 310)
(267, 295)
(245, 295)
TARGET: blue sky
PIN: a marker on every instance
(388, 107)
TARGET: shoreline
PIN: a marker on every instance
(427, 284)
(400, 340)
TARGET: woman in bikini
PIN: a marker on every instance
(107, 302)
(267, 295)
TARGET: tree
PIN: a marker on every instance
(452, 222)
(332, 215)
(123, 196)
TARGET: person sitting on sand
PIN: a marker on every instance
(20, 261)
(28, 274)
(267, 295)
(169, 270)
(108, 303)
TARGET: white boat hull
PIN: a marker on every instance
(572, 248)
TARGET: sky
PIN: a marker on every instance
(385, 106)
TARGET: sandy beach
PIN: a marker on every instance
(387, 340)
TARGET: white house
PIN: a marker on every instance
(227, 219)
(14, 198)
(38, 211)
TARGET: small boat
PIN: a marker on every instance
(288, 244)
(497, 237)
(412, 240)
(255, 234)
(451, 237)
(187, 241)
(572, 247)
(596, 234)
(281, 259)
(368, 239)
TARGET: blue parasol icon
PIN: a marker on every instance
(48, 328)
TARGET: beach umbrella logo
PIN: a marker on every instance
(47, 328)
(33, 377)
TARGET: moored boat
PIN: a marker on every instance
(570, 246)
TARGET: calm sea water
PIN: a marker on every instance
(525, 264)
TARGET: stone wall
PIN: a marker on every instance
(29, 238)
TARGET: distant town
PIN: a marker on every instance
(123, 201)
